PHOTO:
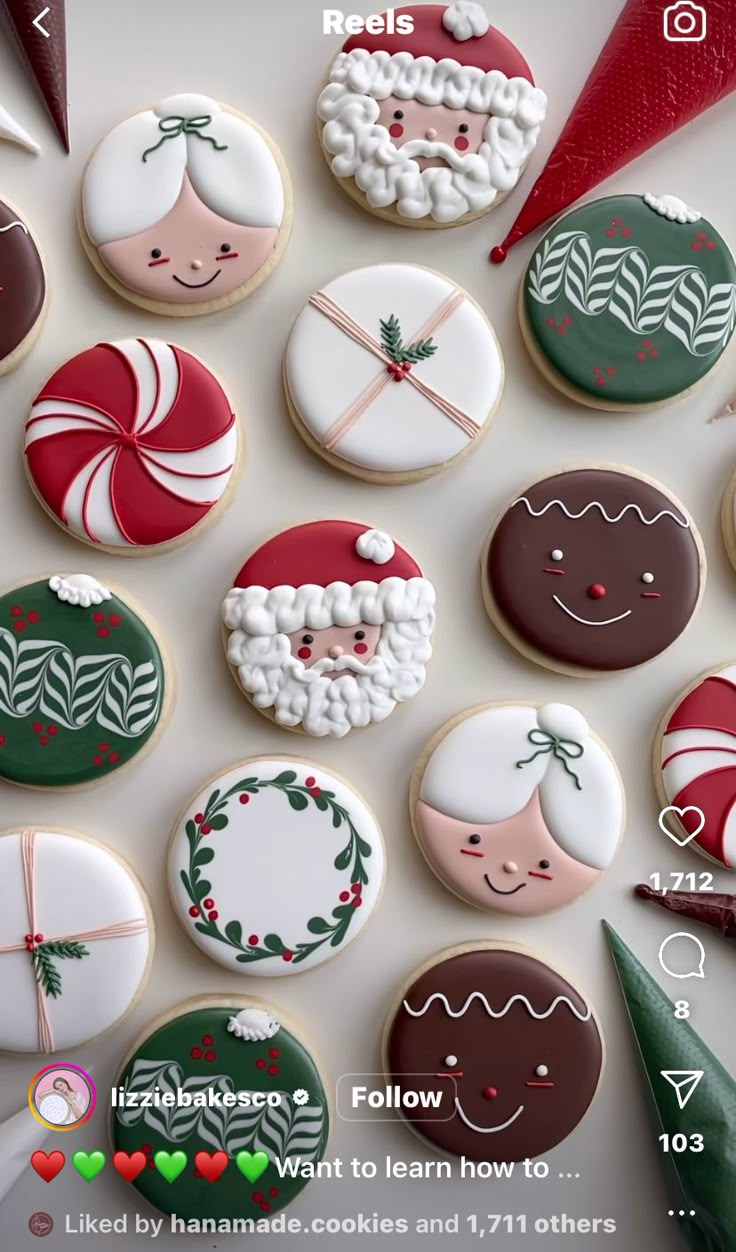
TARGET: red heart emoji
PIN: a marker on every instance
(211, 1165)
(47, 1167)
(129, 1166)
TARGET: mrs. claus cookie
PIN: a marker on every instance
(329, 626)
(429, 115)
(518, 809)
(132, 446)
(392, 372)
(23, 289)
(629, 302)
(186, 207)
(593, 569)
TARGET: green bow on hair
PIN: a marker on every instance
(562, 749)
(172, 127)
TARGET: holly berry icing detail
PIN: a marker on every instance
(403, 356)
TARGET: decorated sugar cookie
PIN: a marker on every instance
(23, 294)
(275, 866)
(695, 766)
(84, 686)
(76, 940)
(132, 445)
(629, 301)
(430, 126)
(593, 569)
(517, 808)
(329, 627)
(371, 329)
(510, 1045)
(186, 207)
(272, 1107)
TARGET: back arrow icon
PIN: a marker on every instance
(37, 22)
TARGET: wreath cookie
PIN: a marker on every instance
(629, 302)
(255, 1096)
(431, 121)
(592, 570)
(371, 329)
(23, 289)
(84, 683)
(186, 207)
(275, 867)
(517, 808)
(76, 940)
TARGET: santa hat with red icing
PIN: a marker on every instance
(329, 573)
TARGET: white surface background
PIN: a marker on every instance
(268, 60)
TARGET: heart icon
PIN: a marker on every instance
(47, 1167)
(252, 1164)
(689, 808)
(170, 1164)
(88, 1164)
(211, 1165)
(129, 1167)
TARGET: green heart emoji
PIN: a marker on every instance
(88, 1164)
(170, 1164)
(252, 1164)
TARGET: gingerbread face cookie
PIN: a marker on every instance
(23, 293)
(186, 207)
(275, 867)
(510, 1044)
(329, 627)
(388, 325)
(629, 301)
(593, 569)
(132, 445)
(517, 809)
(430, 126)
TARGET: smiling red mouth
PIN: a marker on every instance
(498, 890)
(193, 286)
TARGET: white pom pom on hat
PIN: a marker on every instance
(465, 20)
(375, 546)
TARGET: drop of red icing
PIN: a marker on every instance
(490, 1093)
(498, 254)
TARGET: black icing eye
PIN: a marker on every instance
(360, 634)
(155, 253)
(544, 864)
(474, 839)
(307, 638)
(226, 247)
(463, 128)
(398, 115)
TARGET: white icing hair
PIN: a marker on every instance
(135, 175)
(489, 766)
(263, 611)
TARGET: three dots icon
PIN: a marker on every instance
(680, 1213)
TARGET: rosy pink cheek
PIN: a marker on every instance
(396, 130)
(304, 653)
(461, 143)
(361, 648)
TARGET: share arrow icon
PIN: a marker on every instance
(684, 1081)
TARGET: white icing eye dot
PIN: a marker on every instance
(557, 554)
(647, 578)
(450, 1061)
(541, 1071)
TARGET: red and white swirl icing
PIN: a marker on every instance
(131, 443)
(699, 764)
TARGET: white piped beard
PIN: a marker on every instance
(387, 175)
(362, 693)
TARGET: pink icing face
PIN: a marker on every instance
(192, 255)
(506, 867)
(432, 134)
(338, 643)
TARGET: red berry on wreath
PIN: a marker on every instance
(274, 1070)
(207, 1040)
(196, 1054)
(210, 1056)
(244, 798)
(194, 911)
(273, 1191)
(356, 888)
(260, 1063)
(208, 904)
(206, 829)
(344, 895)
(32, 617)
(98, 617)
(199, 818)
(213, 915)
(309, 782)
(274, 1053)
(16, 611)
(253, 941)
(257, 1196)
(287, 956)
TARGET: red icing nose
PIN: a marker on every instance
(596, 591)
(490, 1093)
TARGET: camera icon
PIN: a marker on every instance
(685, 22)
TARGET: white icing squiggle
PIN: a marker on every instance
(584, 621)
(10, 226)
(673, 208)
(486, 1130)
(515, 999)
(595, 504)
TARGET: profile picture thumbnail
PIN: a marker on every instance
(62, 1096)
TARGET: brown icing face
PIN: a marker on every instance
(22, 282)
(595, 568)
(517, 1070)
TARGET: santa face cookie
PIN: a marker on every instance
(517, 809)
(272, 1107)
(329, 627)
(629, 302)
(372, 329)
(593, 569)
(294, 867)
(510, 1045)
(84, 686)
(132, 446)
(186, 207)
(695, 766)
(431, 125)
(76, 940)
(23, 295)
